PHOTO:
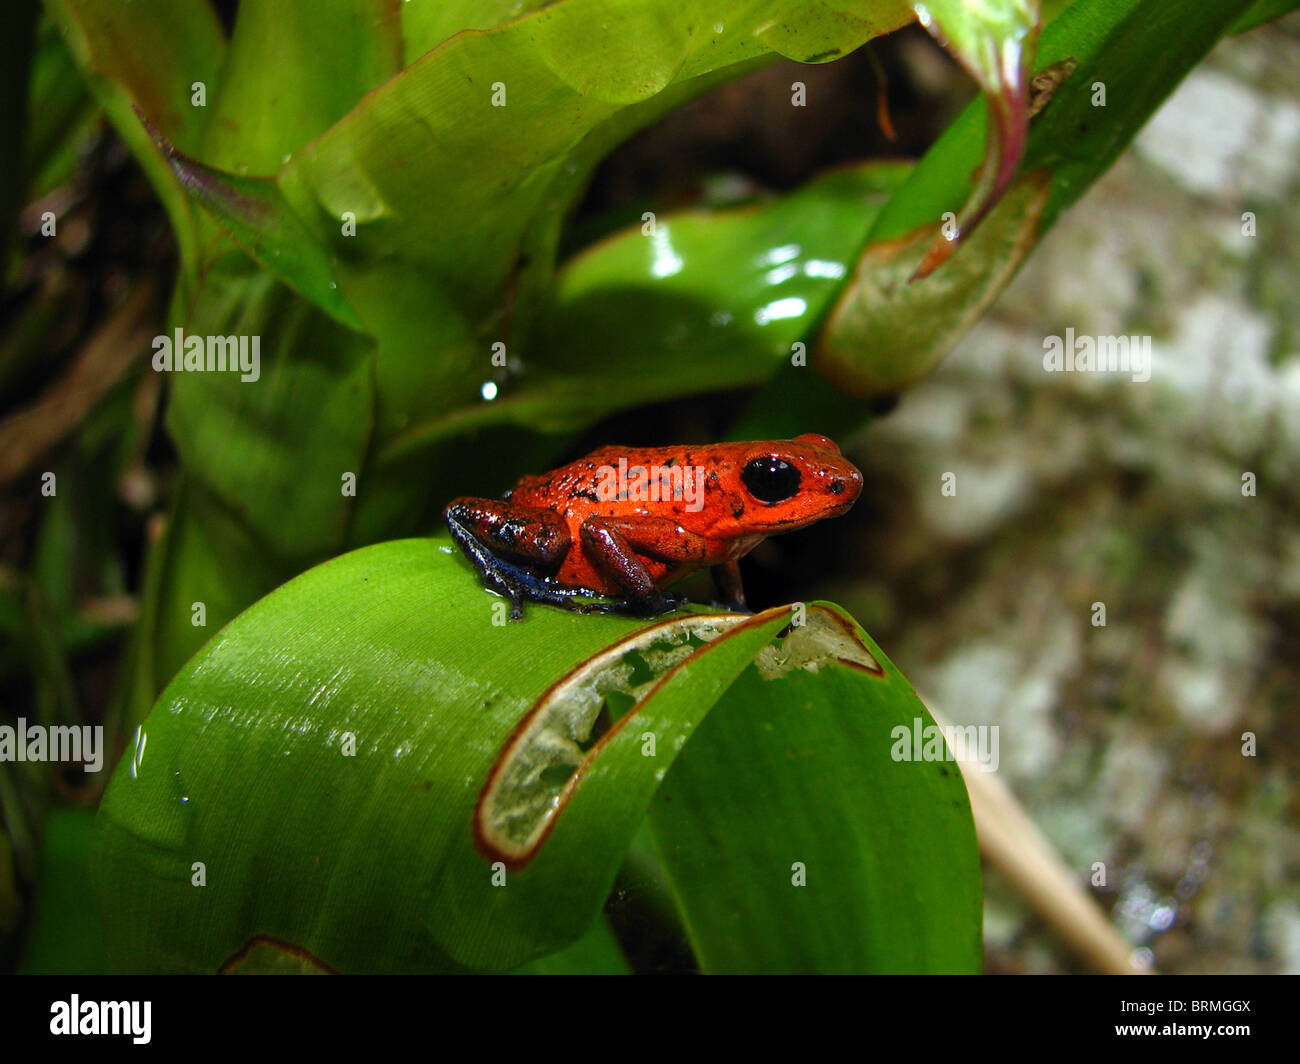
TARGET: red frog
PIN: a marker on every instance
(627, 522)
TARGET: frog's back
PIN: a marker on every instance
(621, 481)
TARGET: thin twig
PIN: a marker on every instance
(1011, 843)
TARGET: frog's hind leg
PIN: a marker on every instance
(518, 584)
(491, 532)
(514, 547)
(612, 544)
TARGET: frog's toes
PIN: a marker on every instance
(664, 603)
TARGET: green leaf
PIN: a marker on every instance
(64, 935)
(474, 824)
(255, 213)
(711, 299)
(465, 162)
(887, 331)
(293, 69)
(886, 887)
(242, 760)
(1261, 11)
(1138, 50)
(596, 953)
(427, 23)
(281, 443)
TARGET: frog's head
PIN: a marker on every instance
(787, 484)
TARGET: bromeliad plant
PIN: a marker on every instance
(361, 771)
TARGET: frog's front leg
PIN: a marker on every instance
(731, 589)
(493, 531)
(611, 544)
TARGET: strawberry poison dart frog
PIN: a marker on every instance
(627, 522)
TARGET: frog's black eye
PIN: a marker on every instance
(770, 479)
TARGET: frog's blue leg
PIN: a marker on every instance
(518, 583)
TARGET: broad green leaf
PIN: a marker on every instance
(474, 145)
(473, 823)
(820, 798)
(243, 758)
(719, 297)
(293, 69)
(427, 23)
(282, 443)
(711, 299)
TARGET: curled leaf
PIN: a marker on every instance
(995, 41)
(885, 332)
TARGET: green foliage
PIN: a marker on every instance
(378, 192)
(313, 777)
(406, 218)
